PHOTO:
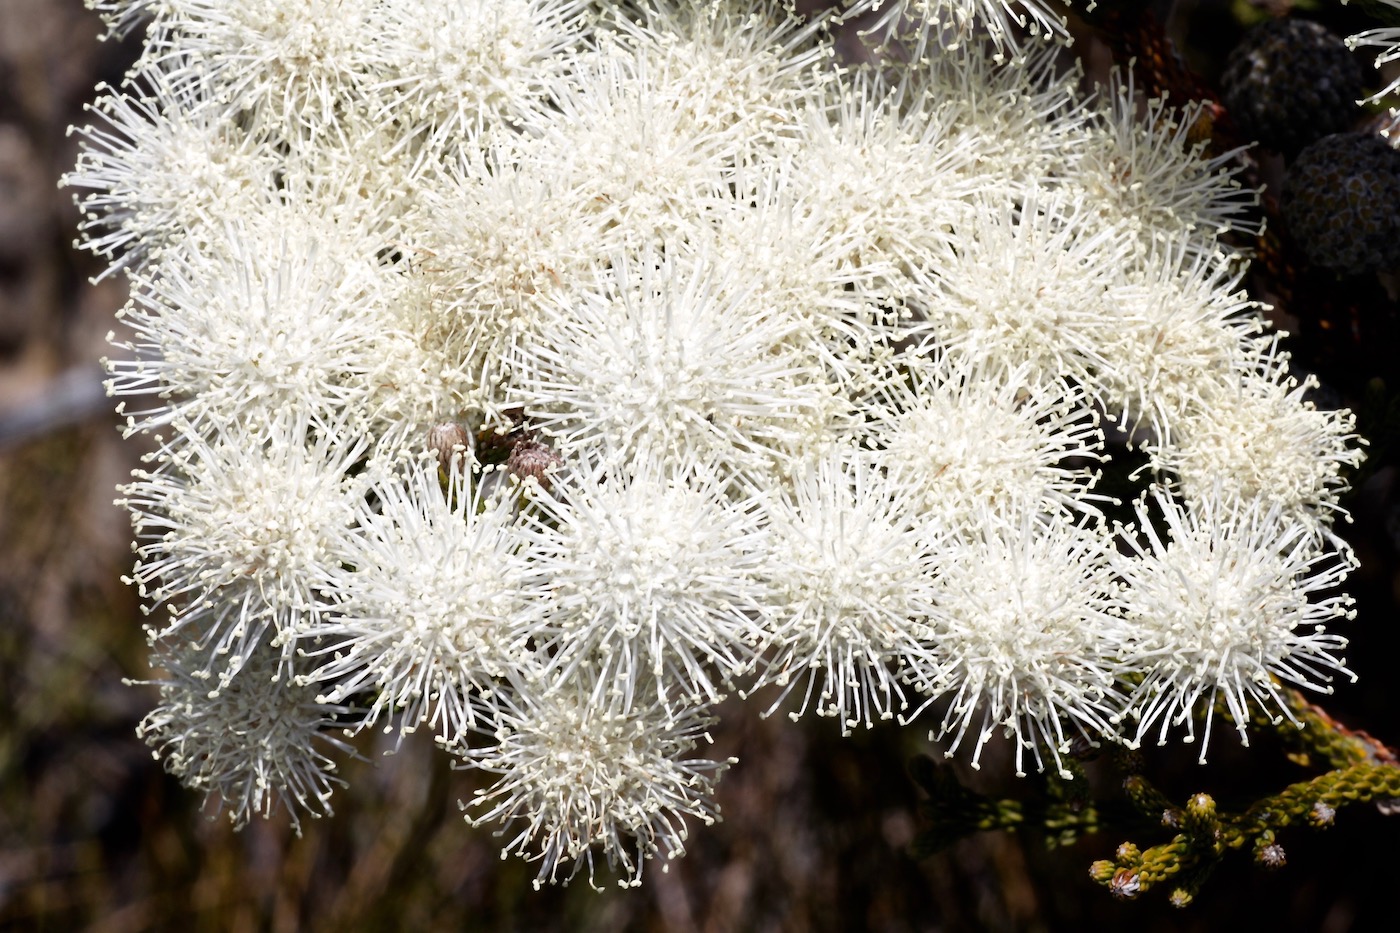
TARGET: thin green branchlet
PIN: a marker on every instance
(541, 373)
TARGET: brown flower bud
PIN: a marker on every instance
(531, 459)
(451, 443)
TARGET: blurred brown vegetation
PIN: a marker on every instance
(94, 836)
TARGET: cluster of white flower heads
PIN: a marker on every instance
(543, 372)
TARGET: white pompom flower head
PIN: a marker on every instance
(576, 774)
(1228, 600)
(654, 577)
(1028, 636)
(433, 604)
(851, 590)
(260, 742)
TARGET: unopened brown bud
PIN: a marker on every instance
(531, 459)
(451, 443)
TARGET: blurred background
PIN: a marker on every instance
(817, 830)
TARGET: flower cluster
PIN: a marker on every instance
(543, 372)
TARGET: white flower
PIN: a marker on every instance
(875, 168)
(737, 69)
(453, 68)
(584, 766)
(163, 167)
(424, 376)
(777, 242)
(432, 607)
(259, 740)
(635, 148)
(1023, 121)
(502, 242)
(852, 588)
(653, 576)
(1261, 438)
(237, 534)
(1224, 607)
(1147, 172)
(664, 355)
(1387, 39)
(948, 24)
(1027, 638)
(963, 439)
(1184, 333)
(1026, 286)
(1026, 122)
(287, 312)
(289, 65)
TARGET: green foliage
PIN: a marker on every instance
(1359, 770)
